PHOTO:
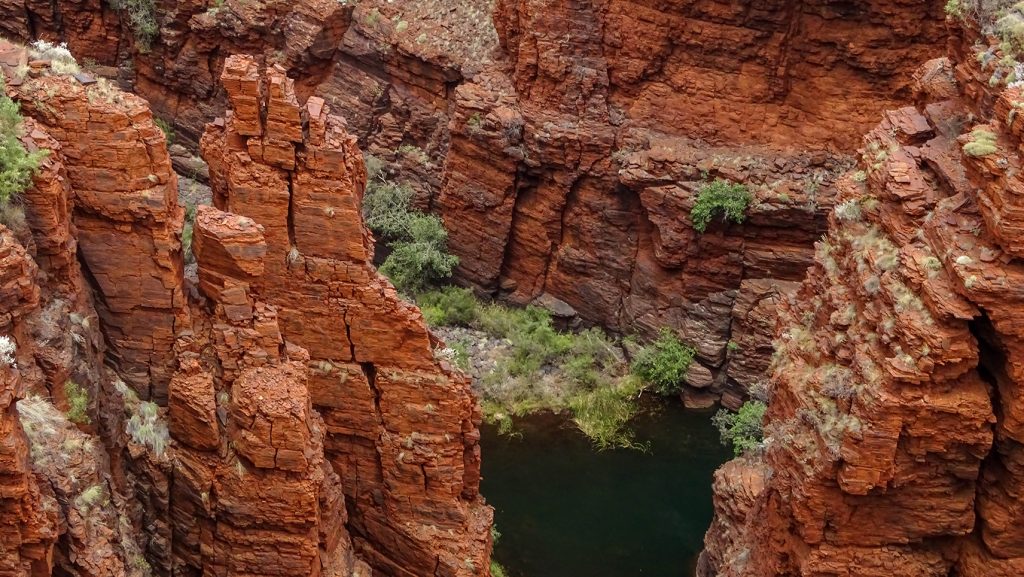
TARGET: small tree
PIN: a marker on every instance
(16, 164)
(663, 363)
(721, 196)
(742, 429)
(387, 209)
(423, 261)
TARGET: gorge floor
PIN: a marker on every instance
(563, 508)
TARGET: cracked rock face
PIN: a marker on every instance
(564, 143)
(893, 437)
(280, 413)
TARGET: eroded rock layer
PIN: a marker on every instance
(277, 412)
(400, 429)
(893, 438)
(559, 139)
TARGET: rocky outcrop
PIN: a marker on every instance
(400, 427)
(892, 435)
(524, 133)
(126, 218)
(27, 530)
(279, 413)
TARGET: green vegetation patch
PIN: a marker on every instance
(419, 258)
(742, 429)
(728, 199)
(78, 403)
(142, 19)
(17, 165)
(583, 373)
(663, 363)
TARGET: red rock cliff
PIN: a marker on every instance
(893, 437)
(281, 413)
(564, 143)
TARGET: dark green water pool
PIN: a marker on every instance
(566, 510)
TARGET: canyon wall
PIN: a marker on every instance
(893, 437)
(274, 410)
(564, 142)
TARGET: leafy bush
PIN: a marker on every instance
(720, 196)
(78, 403)
(449, 306)
(16, 164)
(387, 209)
(742, 429)
(142, 18)
(663, 363)
(422, 261)
(419, 256)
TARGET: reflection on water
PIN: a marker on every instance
(565, 510)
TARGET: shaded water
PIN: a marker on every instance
(566, 510)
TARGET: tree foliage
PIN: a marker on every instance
(663, 363)
(742, 429)
(16, 164)
(720, 197)
(419, 258)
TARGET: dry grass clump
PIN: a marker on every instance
(145, 424)
(61, 60)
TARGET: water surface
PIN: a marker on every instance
(566, 510)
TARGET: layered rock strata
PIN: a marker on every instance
(520, 121)
(892, 436)
(280, 413)
(400, 428)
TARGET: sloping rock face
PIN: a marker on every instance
(565, 142)
(27, 531)
(279, 413)
(893, 435)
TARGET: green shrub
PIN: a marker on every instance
(720, 196)
(16, 164)
(500, 321)
(663, 363)
(536, 345)
(423, 261)
(142, 19)
(602, 413)
(449, 306)
(591, 359)
(78, 403)
(741, 429)
(419, 256)
(387, 209)
(497, 570)
(535, 342)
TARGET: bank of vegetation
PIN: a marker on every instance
(528, 364)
